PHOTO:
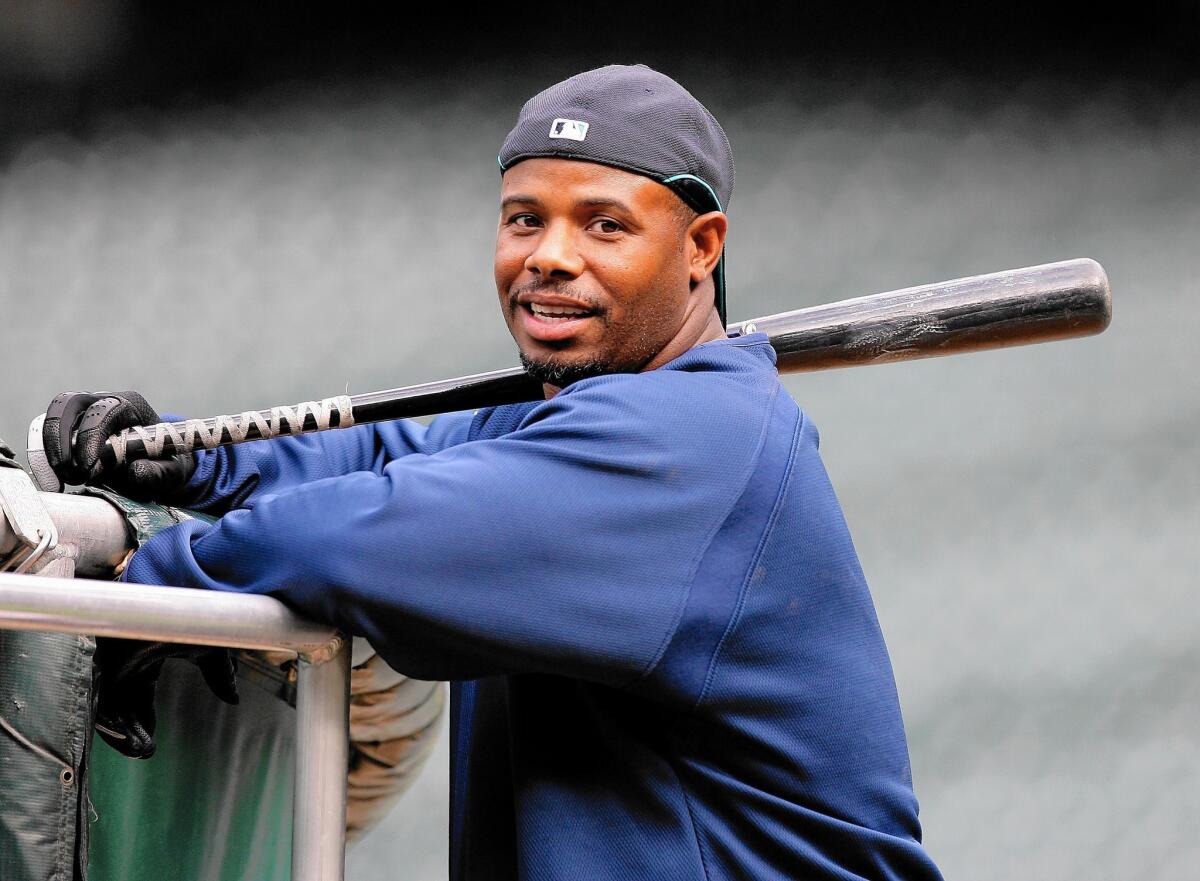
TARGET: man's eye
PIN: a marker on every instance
(525, 220)
(605, 225)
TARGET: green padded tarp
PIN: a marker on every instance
(215, 801)
(213, 804)
(45, 730)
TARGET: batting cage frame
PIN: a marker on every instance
(197, 617)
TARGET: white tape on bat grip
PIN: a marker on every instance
(195, 434)
(39, 465)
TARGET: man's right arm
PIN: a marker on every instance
(77, 424)
(566, 546)
(228, 477)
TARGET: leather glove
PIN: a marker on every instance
(76, 427)
(7, 457)
(125, 677)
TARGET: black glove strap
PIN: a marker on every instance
(144, 519)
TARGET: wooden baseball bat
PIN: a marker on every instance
(1036, 304)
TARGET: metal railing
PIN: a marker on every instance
(168, 614)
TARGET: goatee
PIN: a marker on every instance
(561, 375)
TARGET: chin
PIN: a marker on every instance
(562, 372)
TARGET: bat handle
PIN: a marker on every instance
(39, 465)
(166, 439)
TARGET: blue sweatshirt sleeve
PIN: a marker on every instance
(228, 477)
(566, 546)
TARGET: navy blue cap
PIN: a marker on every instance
(636, 119)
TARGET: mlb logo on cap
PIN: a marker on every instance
(568, 129)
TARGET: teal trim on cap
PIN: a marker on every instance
(500, 162)
(699, 180)
(719, 286)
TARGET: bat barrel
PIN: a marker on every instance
(1032, 305)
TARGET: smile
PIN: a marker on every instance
(553, 319)
(555, 314)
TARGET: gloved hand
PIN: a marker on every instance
(7, 456)
(76, 427)
(125, 676)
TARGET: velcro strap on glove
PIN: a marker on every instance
(145, 519)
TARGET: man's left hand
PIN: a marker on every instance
(126, 677)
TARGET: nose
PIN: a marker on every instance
(556, 254)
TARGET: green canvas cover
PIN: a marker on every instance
(214, 803)
(45, 731)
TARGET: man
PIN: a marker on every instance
(665, 659)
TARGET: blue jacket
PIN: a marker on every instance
(666, 661)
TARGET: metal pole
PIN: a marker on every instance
(93, 525)
(175, 614)
(90, 526)
(166, 614)
(322, 756)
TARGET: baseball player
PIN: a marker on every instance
(665, 662)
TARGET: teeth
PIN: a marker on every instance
(544, 311)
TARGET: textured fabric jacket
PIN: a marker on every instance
(666, 660)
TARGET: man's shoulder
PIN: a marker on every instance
(725, 387)
(708, 376)
(717, 392)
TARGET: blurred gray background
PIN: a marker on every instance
(227, 209)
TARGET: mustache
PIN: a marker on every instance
(562, 288)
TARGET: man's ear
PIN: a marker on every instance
(706, 238)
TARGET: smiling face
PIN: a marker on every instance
(600, 270)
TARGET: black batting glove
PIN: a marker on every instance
(76, 428)
(125, 678)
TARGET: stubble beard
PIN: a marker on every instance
(562, 370)
(560, 374)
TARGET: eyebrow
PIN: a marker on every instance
(519, 199)
(596, 202)
(607, 203)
